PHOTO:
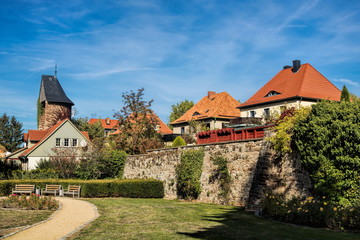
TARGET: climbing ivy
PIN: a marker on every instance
(284, 128)
(222, 175)
(188, 174)
(40, 111)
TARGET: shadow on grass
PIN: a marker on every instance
(239, 224)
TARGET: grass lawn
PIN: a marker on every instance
(123, 218)
(18, 218)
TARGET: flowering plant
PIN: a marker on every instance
(32, 202)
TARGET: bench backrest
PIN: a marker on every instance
(24, 187)
(74, 188)
(52, 187)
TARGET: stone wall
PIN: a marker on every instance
(53, 112)
(253, 167)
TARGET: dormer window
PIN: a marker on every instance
(272, 93)
(196, 113)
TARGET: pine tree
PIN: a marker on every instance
(345, 95)
(10, 133)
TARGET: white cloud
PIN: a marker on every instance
(347, 81)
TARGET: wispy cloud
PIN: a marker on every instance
(347, 81)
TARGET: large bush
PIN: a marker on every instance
(136, 188)
(188, 174)
(312, 212)
(329, 143)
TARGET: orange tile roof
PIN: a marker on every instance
(215, 105)
(47, 134)
(307, 82)
(35, 135)
(112, 123)
(163, 128)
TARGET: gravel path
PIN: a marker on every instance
(73, 215)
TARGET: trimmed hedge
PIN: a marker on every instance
(134, 188)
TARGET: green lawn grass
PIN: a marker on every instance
(18, 218)
(122, 218)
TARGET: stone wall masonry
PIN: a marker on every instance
(253, 167)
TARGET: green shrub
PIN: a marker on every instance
(188, 174)
(113, 163)
(35, 174)
(328, 141)
(139, 188)
(312, 212)
(178, 141)
(221, 174)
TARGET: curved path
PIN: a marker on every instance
(73, 215)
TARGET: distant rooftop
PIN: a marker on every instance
(51, 91)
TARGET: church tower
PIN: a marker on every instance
(53, 104)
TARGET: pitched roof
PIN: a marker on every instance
(163, 128)
(105, 123)
(49, 132)
(35, 135)
(51, 90)
(214, 105)
(307, 82)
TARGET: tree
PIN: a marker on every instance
(179, 109)
(10, 133)
(328, 142)
(95, 131)
(345, 95)
(137, 124)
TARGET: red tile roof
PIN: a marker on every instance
(35, 135)
(163, 128)
(105, 123)
(215, 105)
(307, 82)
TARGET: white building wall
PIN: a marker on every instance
(274, 108)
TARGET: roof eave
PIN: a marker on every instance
(279, 100)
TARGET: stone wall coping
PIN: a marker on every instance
(197, 145)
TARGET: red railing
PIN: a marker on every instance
(230, 134)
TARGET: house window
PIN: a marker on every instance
(74, 142)
(182, 130)
(66, 142)
(267, 113)
(272, 93)
(58, 142)
(252, 113)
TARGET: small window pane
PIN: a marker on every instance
(66, 142)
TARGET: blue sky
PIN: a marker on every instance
(176, 50)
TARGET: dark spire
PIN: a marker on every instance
(51, 90)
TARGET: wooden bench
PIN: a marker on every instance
(73, 190)
(51, 189)
(23, 188)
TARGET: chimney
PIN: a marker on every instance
(107, 121)
(296, 66)
(287, 66)
(211, 93)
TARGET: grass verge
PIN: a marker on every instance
(122, 218)
(10, 219)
